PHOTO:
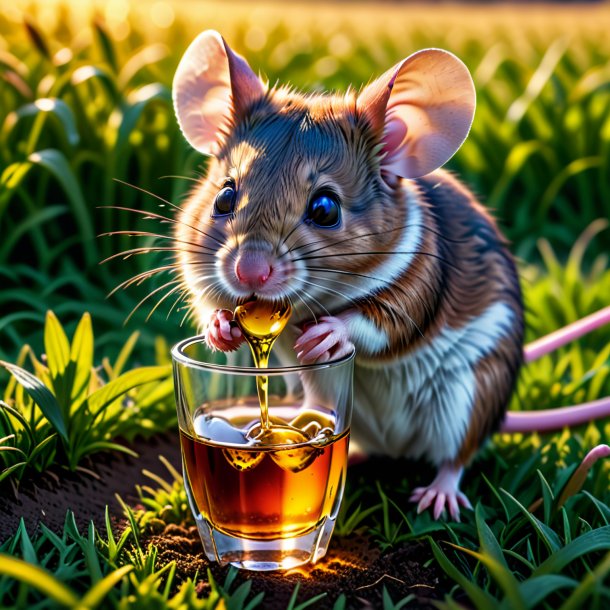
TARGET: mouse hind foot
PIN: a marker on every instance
(443, 492)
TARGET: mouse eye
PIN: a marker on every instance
(323, 210)
(225, 200)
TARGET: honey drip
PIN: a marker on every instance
(261, 323)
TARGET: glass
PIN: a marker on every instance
(262, 506)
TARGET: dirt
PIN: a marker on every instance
(354, 564)
(86, 492)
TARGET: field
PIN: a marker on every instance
(86, 122)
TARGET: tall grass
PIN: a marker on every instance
(85, 104)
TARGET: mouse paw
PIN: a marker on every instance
(221, 334)
(324, 341)
(443, 492)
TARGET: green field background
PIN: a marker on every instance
(85, 103)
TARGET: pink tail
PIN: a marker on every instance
(544, 420)
(555, 419)
(548, 344)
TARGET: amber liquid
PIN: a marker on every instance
(261, 492)
(282, 475)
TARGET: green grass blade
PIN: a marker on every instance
(479, 597)
(488, 541)
(546, 534)
(57, 346)
(589, 583)
(340, 602)
(106, 44)
(41, 395)
(124, 354)
(41, 217)
(106, 395)
(603, 509)
(595, 540)
(81, 354)
(537, 588)
(57, 164)
(97, 594)
(503, 576)
(57, 108)
(39, 579)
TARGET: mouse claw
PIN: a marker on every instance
(443, 493)
(324, 341)
(222, 333)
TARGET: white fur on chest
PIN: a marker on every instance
(420, 405)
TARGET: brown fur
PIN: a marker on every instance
(278, 155)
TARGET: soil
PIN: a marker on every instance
(354, 565)
(86, 492)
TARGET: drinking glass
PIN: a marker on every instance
(262, 505)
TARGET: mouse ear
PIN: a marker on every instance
(212, 86)
(422, 108)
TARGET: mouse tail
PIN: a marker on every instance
(551, 342)
(545, 420)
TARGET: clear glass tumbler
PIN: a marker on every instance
(269, 505)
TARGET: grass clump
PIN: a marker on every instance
(66, 409)
(87, 105)
(95, 570)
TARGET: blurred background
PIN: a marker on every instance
(85, 107)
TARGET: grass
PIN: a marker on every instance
(95, 570)
(66, 409)
(87, 99)
(87, 112)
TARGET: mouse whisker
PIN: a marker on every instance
(329, 279)
(294, 228)
(148, 296)
(180, 178)
(308, 307)
(134, 233)
(408, 294)
(162, 199)
(143, 190)
(181, 296)
(162, 219)
(194, 302)
(327, 244)
(389, 282)
(140, 277)
(151, 194)
(377, 252)
(166, 201)
(148, 249)
(324, 287)
(316, 302)
(158, 303)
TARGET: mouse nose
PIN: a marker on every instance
(252, 269)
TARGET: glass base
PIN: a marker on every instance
(265, 555)
(262, 555)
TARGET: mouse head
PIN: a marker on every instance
(303, 197)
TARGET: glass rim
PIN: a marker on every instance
(180, 357)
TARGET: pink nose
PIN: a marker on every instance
(252, 268)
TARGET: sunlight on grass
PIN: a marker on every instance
(86, 120)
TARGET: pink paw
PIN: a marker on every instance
(442, 492)
(221, 334)
(326, 340)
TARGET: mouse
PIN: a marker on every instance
(338, 203)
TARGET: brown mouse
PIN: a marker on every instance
(335, 202)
